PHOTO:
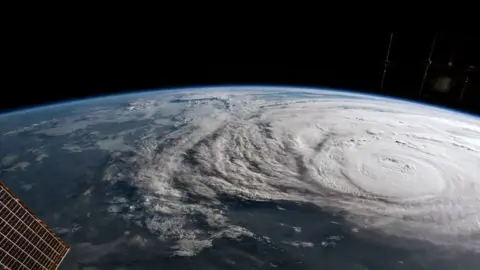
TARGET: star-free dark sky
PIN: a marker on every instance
(353, 61)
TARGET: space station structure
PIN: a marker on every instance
(26, 242)
(438, 65)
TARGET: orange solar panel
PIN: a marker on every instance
(25, 241)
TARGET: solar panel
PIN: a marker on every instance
(25, 241)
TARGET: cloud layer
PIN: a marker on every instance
(391, 166)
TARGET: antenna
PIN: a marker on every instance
(463, 88)
(429, 62)
(386, 61)
(469, 69)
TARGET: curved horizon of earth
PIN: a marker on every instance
(250, 178)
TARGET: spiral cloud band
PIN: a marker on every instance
(399, 168)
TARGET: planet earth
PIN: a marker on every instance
(250, 178)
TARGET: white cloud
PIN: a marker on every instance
(392, 166)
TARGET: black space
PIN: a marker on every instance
(44, 73)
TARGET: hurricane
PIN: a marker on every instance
(384, 165)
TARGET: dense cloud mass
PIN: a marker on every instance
(391, 166)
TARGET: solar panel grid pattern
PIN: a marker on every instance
(25, 241)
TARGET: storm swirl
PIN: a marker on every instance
(386, 165)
